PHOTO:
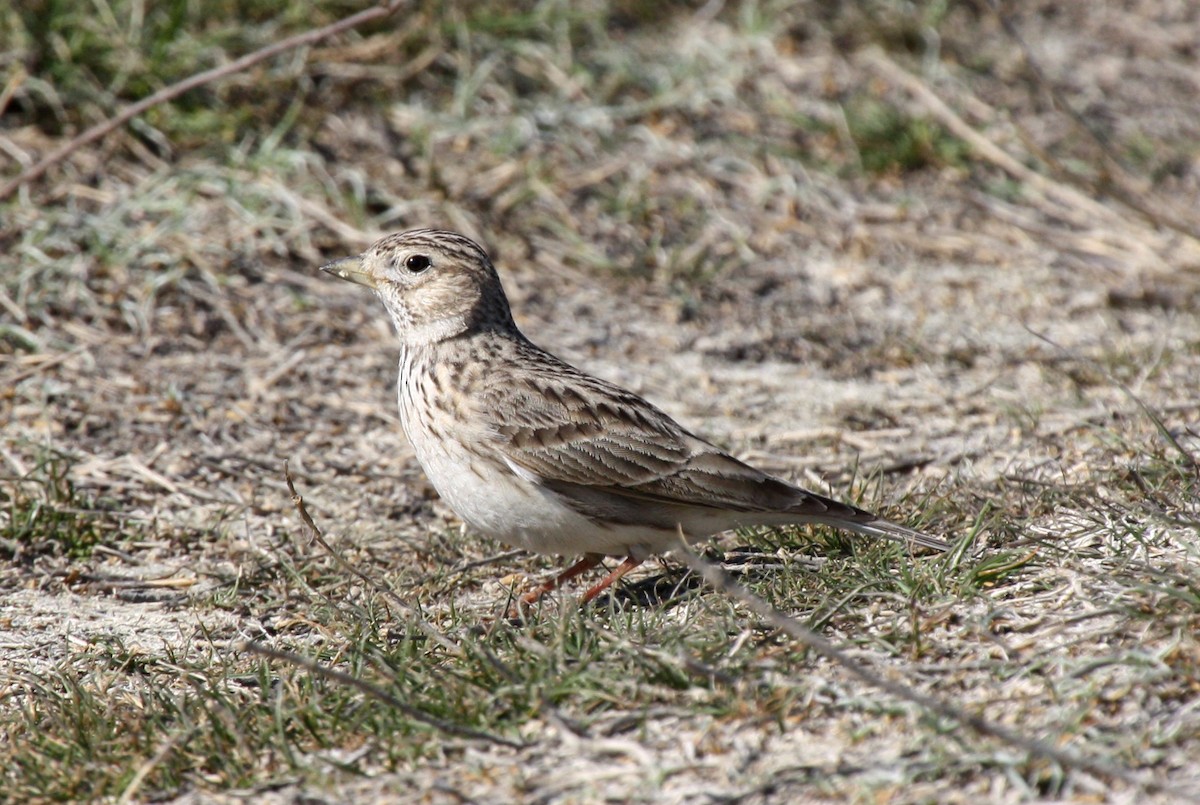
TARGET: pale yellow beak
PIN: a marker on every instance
(350, 269)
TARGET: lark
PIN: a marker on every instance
(534, 452)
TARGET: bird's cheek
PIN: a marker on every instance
(436, 301)
(395, 305)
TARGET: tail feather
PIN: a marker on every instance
(818, 509)
(878, 527)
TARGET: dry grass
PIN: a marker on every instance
(852, 242)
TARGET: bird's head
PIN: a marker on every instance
(435, 285)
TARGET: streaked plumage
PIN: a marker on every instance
(535, 452)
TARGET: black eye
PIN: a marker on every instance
(417, 263)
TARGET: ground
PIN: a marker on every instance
(937, 261)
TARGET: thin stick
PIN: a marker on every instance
(722, 582)
(546, 708)
(199, 79)
(315, 535)
(1116, 180)
(1068, 196)
(1150, 413)
(376, 692)
(144, 770)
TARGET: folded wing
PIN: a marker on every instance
(616, 456)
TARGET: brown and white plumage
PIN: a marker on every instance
(535, 452)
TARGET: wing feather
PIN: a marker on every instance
(571, 428)
(618, 457)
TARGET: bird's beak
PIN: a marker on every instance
(351, 269)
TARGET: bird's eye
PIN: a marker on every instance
(417, 263)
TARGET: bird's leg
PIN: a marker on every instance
(585, 564)
(629, 564)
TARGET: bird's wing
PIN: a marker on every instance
(615, 455)
(564, 427)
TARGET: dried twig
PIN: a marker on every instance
(1069, 197)
(366, 687)
(375, 692)
(173, 91)
(168, 746)
(722, 582)
(546, 708)
(1152, 414)
(315, 535)
(1116, 180)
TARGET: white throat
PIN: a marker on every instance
(432, 332)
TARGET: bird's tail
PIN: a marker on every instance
(878, 527)
(817, 509)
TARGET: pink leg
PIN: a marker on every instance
(585, 564)
(629, 564)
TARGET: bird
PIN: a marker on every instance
(536, 453)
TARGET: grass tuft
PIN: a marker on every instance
(44, 512)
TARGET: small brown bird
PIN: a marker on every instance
(540, 455)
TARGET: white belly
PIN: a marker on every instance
(496, 502)
(504, 501)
